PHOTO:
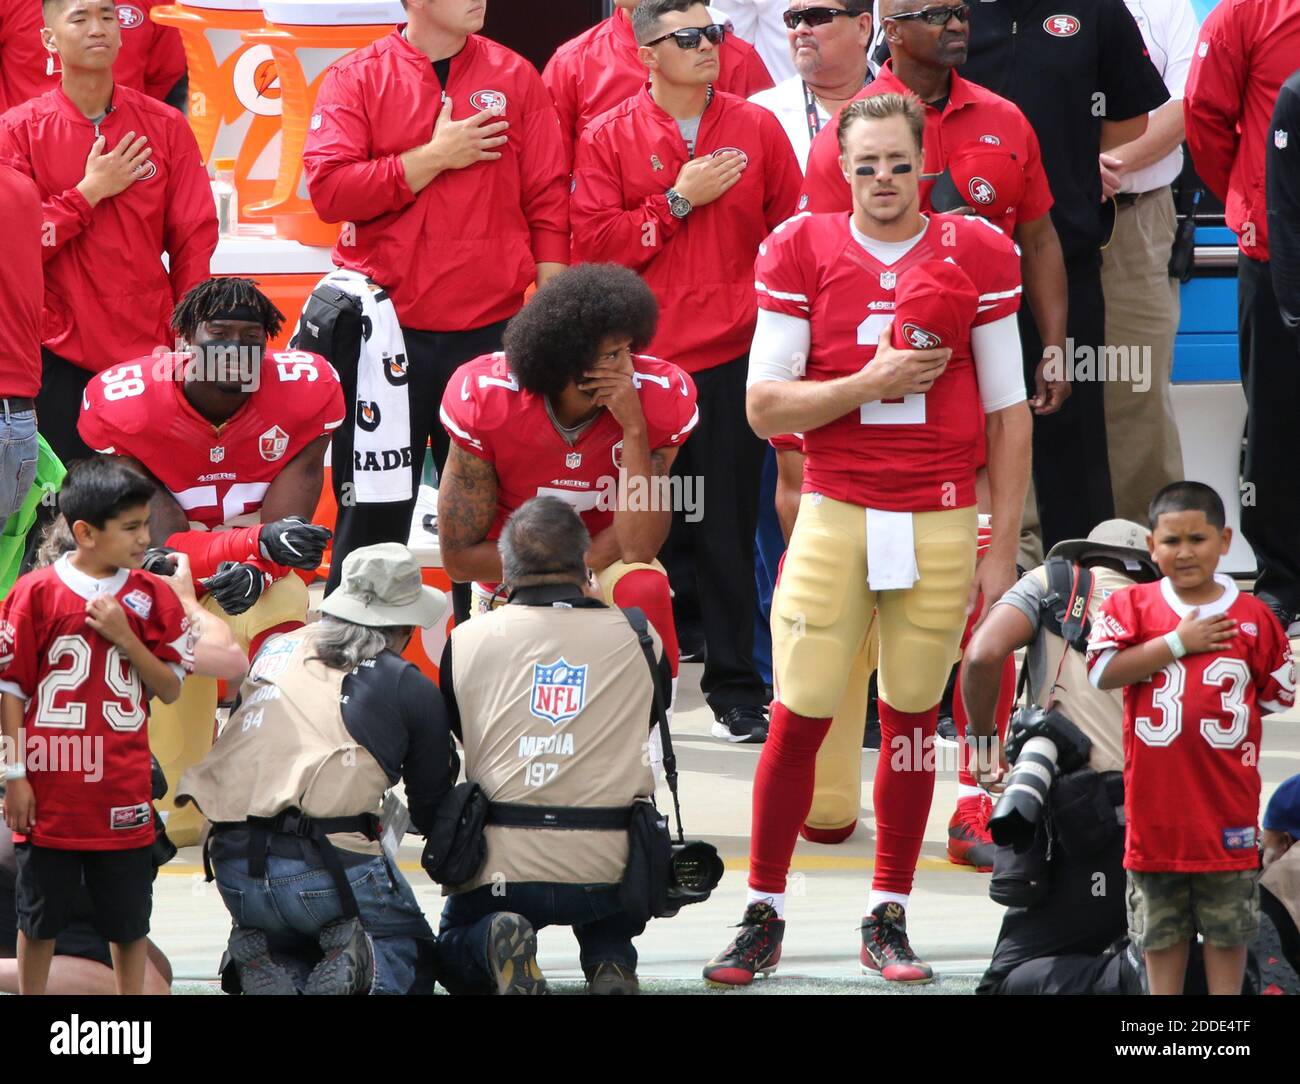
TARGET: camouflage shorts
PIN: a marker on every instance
(1165, 909)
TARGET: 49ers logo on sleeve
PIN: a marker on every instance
(1061, 26)
(920, 339)
(981, 191)
(273, 444)
(129, 16)
(494, 101)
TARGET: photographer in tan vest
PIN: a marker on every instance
(551, 696)
(330, 717)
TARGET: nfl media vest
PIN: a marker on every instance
(555, 709)
(287, 748)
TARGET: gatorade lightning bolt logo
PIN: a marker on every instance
(129, 16)
(257, 81)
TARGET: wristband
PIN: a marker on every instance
(15, 771)
(1175, 643)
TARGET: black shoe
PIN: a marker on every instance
(348, 964)
(755, 951)
(946, 730)
(690, 645)
(746, 724)
(609, 978)
(886, 951)
(512, 955)
(258, 972)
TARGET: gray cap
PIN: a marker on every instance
(381, 587)
(1119, 538)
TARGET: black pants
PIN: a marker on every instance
(1061, 942)
(1270, 373)
(1071, 468)
(58, 406)
(722, 464)
(432, 356)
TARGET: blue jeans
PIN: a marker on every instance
(18, 454)
(602, 927)
(297, 897)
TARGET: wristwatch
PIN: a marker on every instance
(678, 204)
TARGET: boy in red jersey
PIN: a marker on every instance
(1191, 740)
(84, 643)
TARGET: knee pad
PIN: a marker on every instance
(815, 633)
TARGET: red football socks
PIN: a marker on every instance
(783, 793)
(903, 790)
(648, 591)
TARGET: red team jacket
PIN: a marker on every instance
(904, 455)
(108, 297)
(85, 700)
(20, 286)
(486, 412)
(698, 267)
(461, 253)
(1247, 49)
(971, 113)
(152, 59)
(1192, 731)
(218, 475)
(600, 69)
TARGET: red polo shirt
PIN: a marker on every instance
(599, 69)
(1246, 51)
(971, 113)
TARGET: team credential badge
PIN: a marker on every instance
(887, 280)
(273, 443)
(559, 691)
(573, 460)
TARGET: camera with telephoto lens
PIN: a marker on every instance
(1041, 744)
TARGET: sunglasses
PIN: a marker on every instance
(936, 16)
(689, 38)
(813, 16)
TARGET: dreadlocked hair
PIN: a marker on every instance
(217, 295)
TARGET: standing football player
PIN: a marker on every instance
(236, 439)
(571, 410)
(887, 521)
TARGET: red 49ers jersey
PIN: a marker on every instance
(218, 474)
(486, 412)
(1192, 731)
(86, 745)
(918, 453)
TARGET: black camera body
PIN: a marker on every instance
(1041, 744)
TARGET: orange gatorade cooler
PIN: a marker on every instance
(234, 92)
(305, 37)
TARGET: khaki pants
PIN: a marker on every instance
(1142, 309)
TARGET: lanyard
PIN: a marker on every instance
(811, 114)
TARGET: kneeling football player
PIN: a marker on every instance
(236, 438)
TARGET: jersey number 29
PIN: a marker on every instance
(70, 661)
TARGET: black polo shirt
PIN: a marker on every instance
(1068, 65)
(1282, 161)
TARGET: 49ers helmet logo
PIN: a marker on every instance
(1061, 26)
(129, 16)
(149, 169)
(491, 100)
(920, 339)
(981, 191)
